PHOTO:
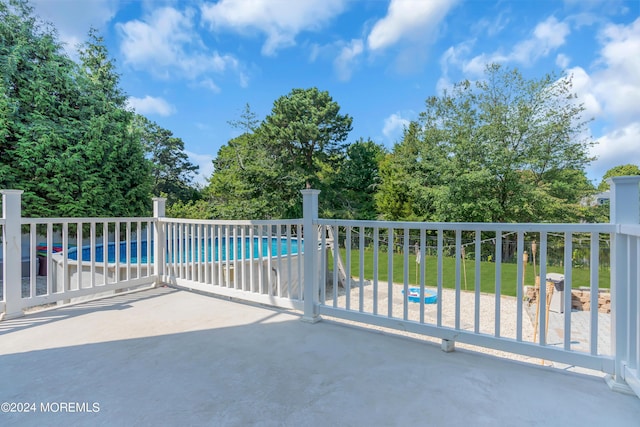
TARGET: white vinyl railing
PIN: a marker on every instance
(468, 308)
(475, 274)
(260, 261)
(61, 260)
(628, 327)
(625, 277)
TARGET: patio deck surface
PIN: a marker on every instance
(172, 357)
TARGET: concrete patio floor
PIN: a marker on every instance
(172, 357)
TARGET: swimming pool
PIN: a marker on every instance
(266, 265)
(237, 249)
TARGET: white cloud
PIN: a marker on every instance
(209, 84)
(562, 60)
(492, 27)
(617, 83)
(347, 58)
(610, 93)
(618, 147)
(151, 105)
(583, 87)
(205, 163)
(547, 36)
(408, 20)
(280, 20)
(454, 55)
(551, 34)
(167, 43)
(613, 89)
(394, 126)
(73, 18)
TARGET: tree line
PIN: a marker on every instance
(67, 137)
(501, 149)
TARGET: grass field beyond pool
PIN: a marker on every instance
(487, 272)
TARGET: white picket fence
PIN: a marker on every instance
(307, 264)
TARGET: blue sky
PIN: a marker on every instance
(191, 66)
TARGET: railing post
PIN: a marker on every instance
(159, 212)
(311, 271)
(624, 209)
(12, 241)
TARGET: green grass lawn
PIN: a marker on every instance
(487, 272)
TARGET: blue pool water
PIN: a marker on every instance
(238, 249)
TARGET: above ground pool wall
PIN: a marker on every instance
(69, 281)
(245, 274)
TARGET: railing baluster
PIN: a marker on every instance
(498, 290)
(32, 260)
(180, 248)
(281, 292)
(163, 255)
(105, 252)
(422, 267)
(92, 252)
(79, 253)
(127, 249)
(323, 264)
(65, 258)
(49, 249)
(237, 257)
(243, 250)
(252, 259)
(290, 264)
(197, 253)
(220, 257)
(336, 254)
(262, 283)
(594, 266)
(361, 269)
(390, 250)
(543, 289)
(139, 249)
(568, 272)
(405, 275)
(376, 236)
(520, 284)
(347, 246)
(439, 300)
(458, 263)
(477, 283)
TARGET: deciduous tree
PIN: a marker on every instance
(501, 149)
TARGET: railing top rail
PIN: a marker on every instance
(28, 221)
(297, 221)
(631, 229)
(472, 226)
